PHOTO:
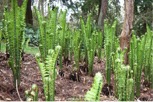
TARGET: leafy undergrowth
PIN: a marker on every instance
(66, 89)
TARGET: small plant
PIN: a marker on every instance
(32, 94)
(48, 72)
(47, 29)
(32, 36)
(61, 37)
(89, 40)
(94, 93)
(140, 58)
(148, 55)
(76, 48)
(110, 45)
(14, 24)
(124, 83)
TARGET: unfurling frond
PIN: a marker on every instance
(94, 93)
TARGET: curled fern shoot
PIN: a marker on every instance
(32, 94)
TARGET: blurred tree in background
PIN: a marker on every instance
(111, 11)
(143, 10)
(28, 15)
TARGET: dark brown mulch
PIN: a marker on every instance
(66, 89)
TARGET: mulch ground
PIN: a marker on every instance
(66, 89)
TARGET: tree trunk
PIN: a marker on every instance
(42, 6)
(102, 15)
(29, 19)
(28, 15)
(127, 28)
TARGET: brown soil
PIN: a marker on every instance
(66, 89)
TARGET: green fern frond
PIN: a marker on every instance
(94, 93)
(48, 72)
(62, 34)
(52, 26)
(89, 41)
(14, 24)
(47, 27)
(76, 48)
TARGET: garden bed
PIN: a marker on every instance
(66, 89)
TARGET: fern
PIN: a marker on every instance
(76, 48)
(110, 45)
(140, 58)
(5, 32)
(32, 94)
(52, 27)
(89, 40)
(124, 85)
(149, 52)
(94, 93)
(47, 27)
(62, 34)
(48, 72)
(14, 24)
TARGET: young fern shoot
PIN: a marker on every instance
(89, 40)
(94, 93)
(110, 45)
(76, 48)
(124, 85)
(62, 35)
(48, 72)
(14, 24)
(32, 94)
(47, 27)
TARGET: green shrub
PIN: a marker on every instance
(32, 35)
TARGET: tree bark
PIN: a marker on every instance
(29, 17)
(42, 6)
(102, 15)
(127, 28)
